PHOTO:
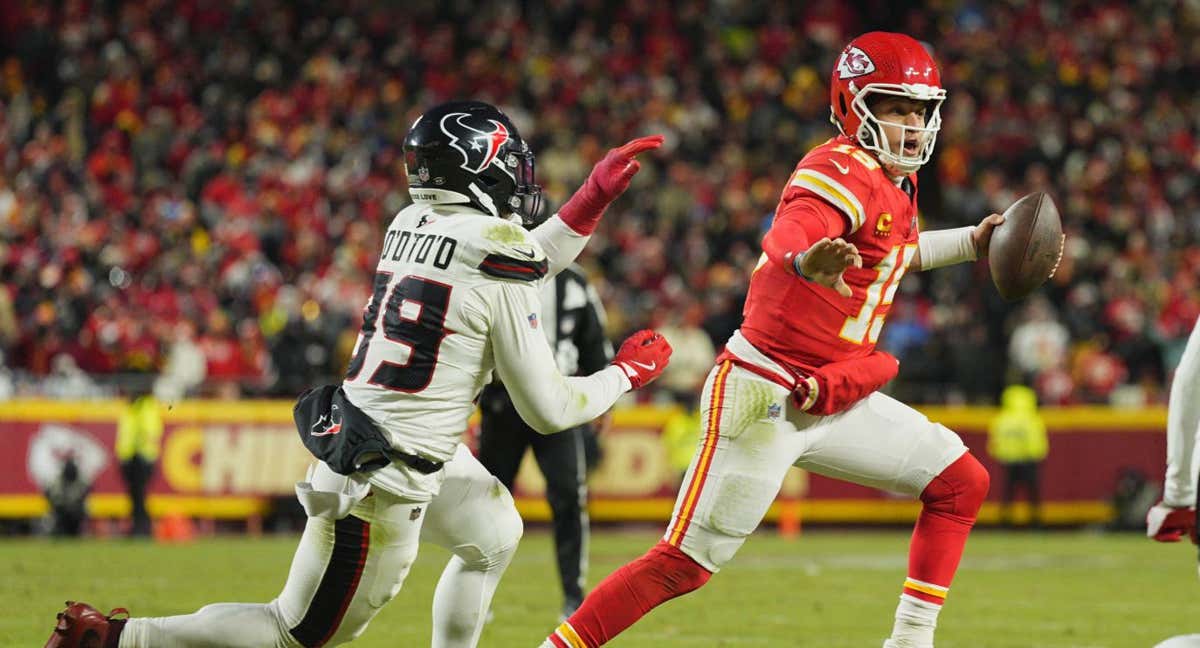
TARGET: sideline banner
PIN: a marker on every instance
(229, 459)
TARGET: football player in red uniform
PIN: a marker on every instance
(797, 384)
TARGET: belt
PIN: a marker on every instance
(772, 376)
(417, 463)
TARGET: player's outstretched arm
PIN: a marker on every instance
(564, 235)
(939, 248)
(826, 261)
(548, 401)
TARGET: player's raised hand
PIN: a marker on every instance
(614, 173)
(981, 236)
(826, 261)
(609, 178)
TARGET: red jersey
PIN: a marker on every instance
(802, 324)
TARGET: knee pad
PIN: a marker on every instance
(676, 572)
(507, 529)
(960, 489)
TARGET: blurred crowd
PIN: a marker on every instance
(196, 189)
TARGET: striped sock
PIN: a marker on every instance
(564, 637)
(930, 593)
(951, 502)
(627, 594)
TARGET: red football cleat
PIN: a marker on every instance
(83, 626)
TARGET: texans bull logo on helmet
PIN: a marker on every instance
(478, 146)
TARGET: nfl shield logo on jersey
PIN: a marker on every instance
(533, 320)
(773, 411)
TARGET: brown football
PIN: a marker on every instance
(1025, 250)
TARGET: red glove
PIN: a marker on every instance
(1169, 524)
(609, 178)
(836, 386)
(643, 356)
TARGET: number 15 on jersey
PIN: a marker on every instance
(866, 325)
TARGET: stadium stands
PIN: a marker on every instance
(199, 188)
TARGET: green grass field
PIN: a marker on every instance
(828, 589)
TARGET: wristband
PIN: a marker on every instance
(796, 265)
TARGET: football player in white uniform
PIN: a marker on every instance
(455, 297)
(1175, 516)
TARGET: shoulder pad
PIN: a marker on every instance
(510, 253)
(840, 174)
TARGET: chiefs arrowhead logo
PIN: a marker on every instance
(854, 63)
(329, 424)
(478, 143)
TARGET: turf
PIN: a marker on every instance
(828, 589)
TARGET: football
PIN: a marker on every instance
(1025, 250)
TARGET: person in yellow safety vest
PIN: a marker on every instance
(680, 434)
(139, 435)
(1017, 439)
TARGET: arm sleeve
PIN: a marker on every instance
(561, 243)
(595, 351)
(939, 248)
(800, 222)
(548, 401)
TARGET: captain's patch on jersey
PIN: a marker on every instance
(533, 320)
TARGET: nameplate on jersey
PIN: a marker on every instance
(512, 267)
(405, 246)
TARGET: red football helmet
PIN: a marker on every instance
(888, 64)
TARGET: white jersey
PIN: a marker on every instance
(456, 296)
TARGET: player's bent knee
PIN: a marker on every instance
(740, 504)
(393, 564)
(499, 551)
(960, 489)
(678, 572)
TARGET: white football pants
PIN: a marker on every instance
(753, 433)
(346, 569)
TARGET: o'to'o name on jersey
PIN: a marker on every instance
(415, 247)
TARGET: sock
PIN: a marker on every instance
(952, 502)
(234, 625)
(627, 594)
(915, 621)
(462, 598)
